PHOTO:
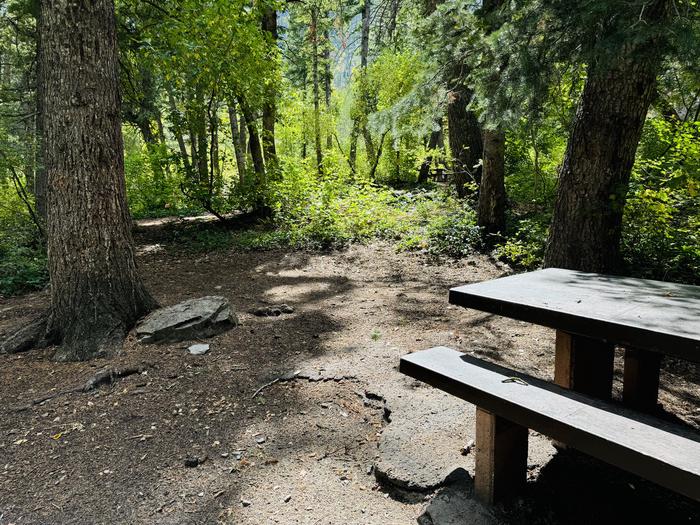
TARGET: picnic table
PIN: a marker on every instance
(592, 314)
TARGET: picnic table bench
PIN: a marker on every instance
(592, 314)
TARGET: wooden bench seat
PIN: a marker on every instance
(508, 403)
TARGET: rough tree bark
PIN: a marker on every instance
(465, 137)
(491, 212)
(96, 293)
(594, 177)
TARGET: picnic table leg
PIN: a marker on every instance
(501, 457)
(584, 364)
(641, 383)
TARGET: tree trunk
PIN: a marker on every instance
(594, 177)
(236, 139)
(269, 24)
(256, 154)
(465, 136)
(352, 155)
(176, 119)
(317, 111)
(364, 40)
(202, 148)
(364, 58)
(327, 79)
(96, 293)
(491, 213)
(433, 142)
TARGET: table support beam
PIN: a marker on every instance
(501, 458)
(641, 386)
(584, 364)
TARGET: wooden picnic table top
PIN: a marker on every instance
(653, 315)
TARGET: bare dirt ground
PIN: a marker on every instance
(303, 451)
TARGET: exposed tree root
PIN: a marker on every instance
(105, 376)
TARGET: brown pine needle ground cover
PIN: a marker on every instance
(185, 441)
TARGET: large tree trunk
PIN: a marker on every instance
(269, 116)
(96, 293)
(465, 138)
(491, 213)
(594, 177)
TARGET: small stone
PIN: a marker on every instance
(260, 439)
(246, 503)
(194, 461)
(199, 349)
(287, 498)
(466, 449)
(325, 405)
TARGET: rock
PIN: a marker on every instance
(454, 505)
(199, 349)
(260, 439)
(246, 503)
(288, 498)
(194, 461)
(27, 337)
(466, 449)
(202, 317)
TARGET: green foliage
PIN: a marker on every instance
(524, 248)
(661, 234)
(152, 180)
(22, 256)
(454, 234)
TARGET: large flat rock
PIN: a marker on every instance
(194, 318)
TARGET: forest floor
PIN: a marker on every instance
(301, 451)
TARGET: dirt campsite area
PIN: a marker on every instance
(297, 418)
